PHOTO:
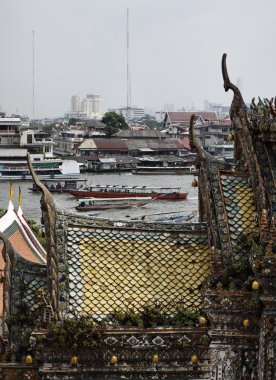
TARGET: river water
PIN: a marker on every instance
(31, 201)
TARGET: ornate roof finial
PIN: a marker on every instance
(237, 103)
(194, 141)
(269, 248)
(263, 221)
(11, 190)
(20, 197)
(49, 217)
(272, 229)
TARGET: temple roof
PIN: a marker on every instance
(121, 265)
(14, 226)
(25, 244)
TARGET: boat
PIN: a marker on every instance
(165, 165)
(58, 186)
(13, 165)
(177, 218)
(164, 170)
(88, 204)
(118, 191)
(163, 217)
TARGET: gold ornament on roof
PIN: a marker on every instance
(155, 358)
(74, 360)
(28, 359)
(246, 323)
(195, 183)
(194, 359)
(255, 285)
(230, 137)
(202, 321)
(114, 359)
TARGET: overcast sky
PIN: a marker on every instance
(175, 52)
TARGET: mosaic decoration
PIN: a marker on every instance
(239, 205)
(112, 269)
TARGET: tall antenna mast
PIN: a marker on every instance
(128, 68)
(33, 79)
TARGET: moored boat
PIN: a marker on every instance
(165, 165)
(58, 186)
(109, 191)
(89, 204)
(143, 170)
(13, 165)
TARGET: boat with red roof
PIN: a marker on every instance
(118, 191)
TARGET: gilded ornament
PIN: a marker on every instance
(195, 183)
(155, 358)
(246, 323)
(194, 359)
(74, 360)
(28, 359)
(230, 136)
(114, 359)
(202, 321)
(255, 285)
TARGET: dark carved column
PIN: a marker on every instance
(49, 219)
(8, 256)
(263, 260)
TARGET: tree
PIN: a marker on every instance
(72, 121)
(114, 122)
(152, 124)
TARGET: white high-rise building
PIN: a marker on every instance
(90, 106)
(93, 105)
(75, 103)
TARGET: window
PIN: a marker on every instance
(29, 139)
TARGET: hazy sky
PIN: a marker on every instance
(175, 52)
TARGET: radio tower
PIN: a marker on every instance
(128, 70)
(33, 79)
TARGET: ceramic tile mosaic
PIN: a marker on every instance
(239, 205)
(112, 269)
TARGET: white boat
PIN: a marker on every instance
(13, 165)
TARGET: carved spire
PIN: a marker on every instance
(238, 102)
(194, 141)
(263, 222)
(273, 229)
(49, 218)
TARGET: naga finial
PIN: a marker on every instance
(238, 102)
(49, 217)
(194, 141)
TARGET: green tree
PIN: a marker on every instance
(113, 122)
(48, 128)
(72, 121)
(152, 124)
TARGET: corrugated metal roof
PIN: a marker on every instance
(186, 116)
(139, 134)
(111, 144)
(164, 144)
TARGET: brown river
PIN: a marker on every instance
(31, 201)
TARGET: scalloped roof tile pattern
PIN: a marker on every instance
(113, 269)
(239, 205)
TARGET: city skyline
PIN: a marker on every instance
(175, 52)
